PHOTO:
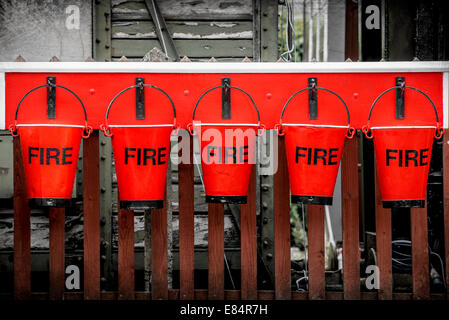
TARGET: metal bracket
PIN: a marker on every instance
(400, 113)
(140, 98)
(51, 98)
(313, 98)
(226, 98)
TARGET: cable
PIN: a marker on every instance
(289, 31)
(404, 262)
(306, 245)
(229, 271)
(306, 252)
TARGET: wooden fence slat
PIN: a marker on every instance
(186, 227)
(383, 246)
(446, 205)
(350, 203)
(420, 254)
(248, 236)
(57, 255)
(22, 229)
(317, 281)
(91, 205)
(125, 254)
(281, 198)
(216, 251)
(159, 288)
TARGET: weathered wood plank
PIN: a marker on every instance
(317, 281)
(192, 48)
(350, 203)
(183, 10)
(57, 270)
(446, 205)
(282, 226)
(420, 254)
(248, 236)
(186, 226)
(216, 252)
(231, 234)
(383, 246)
(184, 30)
(126, 254)
(91, 193)
(22, 265)
(159, 253)
(40, 235)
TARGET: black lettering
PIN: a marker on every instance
(423, 156)
(30, 154)
(160, 155)
(227, 155)
(66, 155)
(401, 154)
(42, 156)
(139, 155)
(309, 156)
(55, 155)
(128, 155)
(147, 157)
(322, 156)
(389, 156)
(298, 154)
(210, 152)
(243, 153)
(408, 157)
(332, 155)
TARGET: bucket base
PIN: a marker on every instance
(312, 200)
(404, 204)
(141, 204)
(48, 202)
(226, 199)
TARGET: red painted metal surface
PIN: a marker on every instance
(227, 156)
(269, 91)
(403, 161)
(313, 157)
(50, 157)
(141, 159)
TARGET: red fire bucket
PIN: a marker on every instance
(50, 156)
(403, 158)
(228, 153)
(141, 154)
(313, 155)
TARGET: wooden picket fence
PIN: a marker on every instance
(249, 290)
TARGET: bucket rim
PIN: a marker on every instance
(50, 125)
(222, 124)
(139, 125)
(315, 125)
(403, 127)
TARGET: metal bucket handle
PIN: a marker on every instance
(260, 126)
(367, 130)
(105, 127)
(351, 130)
(87, 129)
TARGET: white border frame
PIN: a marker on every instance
(2, 101)
(226, 67)
(445, 100)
